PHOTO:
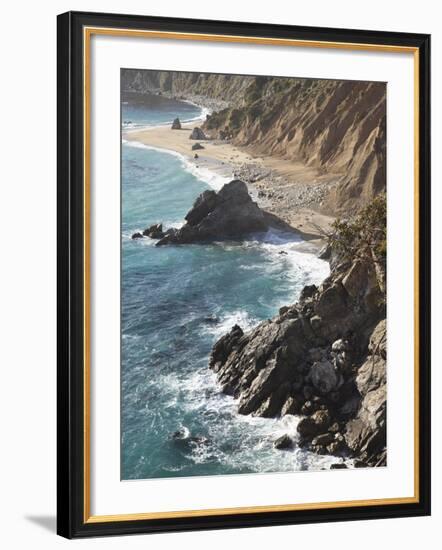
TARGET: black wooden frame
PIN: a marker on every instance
(70, 204)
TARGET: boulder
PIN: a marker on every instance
(332, 302)
(314, 425)
(325, 377)
(307, 292)
(197, 133)
(338, 466)
(197, 147)
(323, 439)
(137, 235)
(155, 231)
(284, 442)
(176, 124)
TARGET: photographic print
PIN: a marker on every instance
(224, 307)
(253, 274)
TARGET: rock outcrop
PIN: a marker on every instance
(155, 231)
(322, 358)
(229, 214)
(197, 146)
(176, 124)
(366, 433)
(197, 133)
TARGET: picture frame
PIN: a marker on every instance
(75, 516)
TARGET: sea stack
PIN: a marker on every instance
(197, 133)
(229, 214)
(176, 124)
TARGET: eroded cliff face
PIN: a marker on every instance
(228, 89)
(337, 127)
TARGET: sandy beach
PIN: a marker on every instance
(290, 190)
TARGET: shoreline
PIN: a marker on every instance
(288, 189)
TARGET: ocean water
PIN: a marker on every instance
(140, 110)
(176, 302)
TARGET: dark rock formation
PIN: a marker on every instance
(137, 235)
(366, 433)
(197, 133)
(197, 147)
(228, 214)
(176, 124)
(325, 252)
(155, 231)
(322, 358)
(283, 442)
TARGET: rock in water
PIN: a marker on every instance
(231, 213)
(155, 231)
(197, 146)
(284, 442)
(137, 235)
(176, 124)
(197, 133)
(339, 466)
(315, 424)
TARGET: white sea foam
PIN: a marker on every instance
(250, 438)
(227, 321)
(213, 180)
(283, 249)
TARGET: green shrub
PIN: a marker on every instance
(365, 235)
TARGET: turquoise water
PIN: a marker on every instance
(176, 302)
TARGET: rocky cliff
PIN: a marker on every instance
(337, 127)
(324, 357)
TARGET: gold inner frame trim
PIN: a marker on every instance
(87, 34)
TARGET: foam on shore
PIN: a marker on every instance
(212, 178)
